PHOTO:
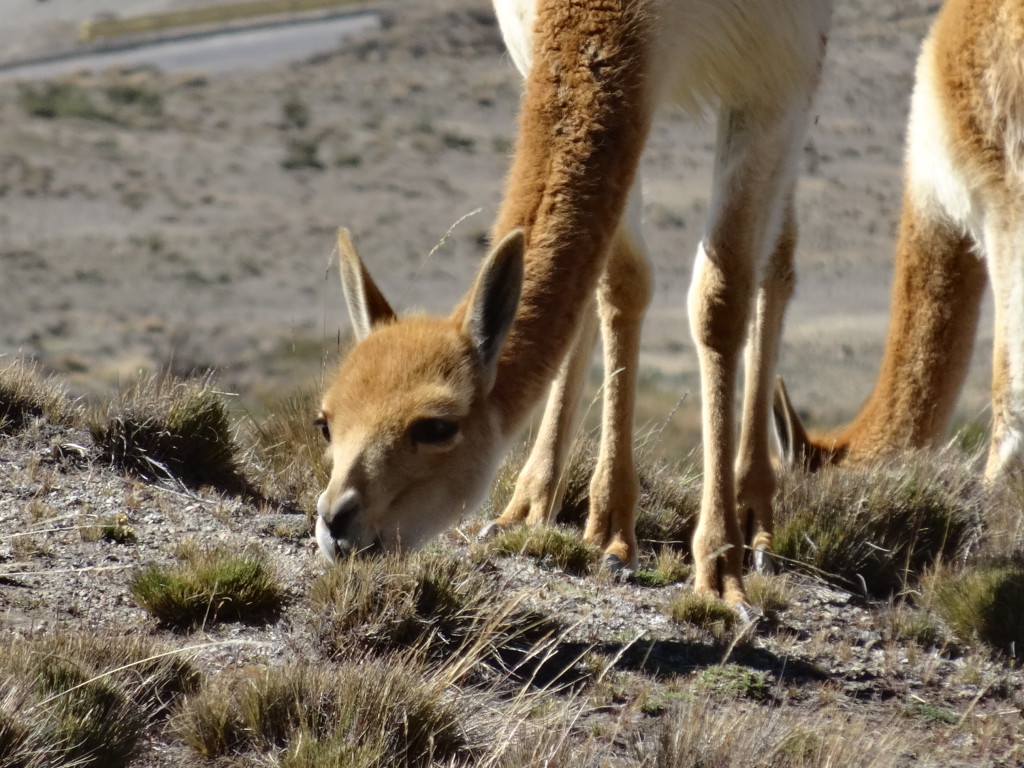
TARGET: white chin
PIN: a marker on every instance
(330, 547)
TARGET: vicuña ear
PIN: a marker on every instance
(794, 445)
(494, 299)
(366, 304)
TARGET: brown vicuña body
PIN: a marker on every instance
(963, 210)
(422, 409)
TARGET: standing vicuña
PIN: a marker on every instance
(963, 208)
(423, 408)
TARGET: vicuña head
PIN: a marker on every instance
(414, 439)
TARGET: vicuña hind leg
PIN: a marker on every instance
(623, 294)
(541, 483)
(755, 475)
(754, 171)
(1004, 245)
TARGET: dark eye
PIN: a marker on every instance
(321, 422)
(433, 431)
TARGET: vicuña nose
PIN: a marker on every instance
(341, 513)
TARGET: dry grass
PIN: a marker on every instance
(286, 455)
(706, 734)
(431, 601)
(25, 395)
(877, 529)
(163, 428)
(79, 700)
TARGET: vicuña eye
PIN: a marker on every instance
(321, 422)
(433, 431)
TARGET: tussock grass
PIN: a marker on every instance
(211, 585)
(286, 454)
(369, 713)
(733, 734)
(985, 602)
(555, 545)
(734, 681)
(25, 395)
(702, 611)
(83, 700)
(432, 601)
(875, 529)
(160, 427)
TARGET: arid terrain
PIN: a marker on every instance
(185, 222)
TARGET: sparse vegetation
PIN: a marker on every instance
(26, 395)
(211, 585)
(985, 602)
(877, 529)
(58, 99)
(164, 428)
(548, 545)
(703, 611)
(430, 601)
(302, 152)
(79, 700)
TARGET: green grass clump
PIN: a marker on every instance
(702, 611)
(432, 601)
(560, 547)
(26, 396)
(84, 700)
(210, 585)
(669, 567)
(734, 681)
(362, 713)
(164, 428)
(984, 602)
(57, 100)
(875, 529)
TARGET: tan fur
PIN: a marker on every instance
(421, 410)
(963, 210)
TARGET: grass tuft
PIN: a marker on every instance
(211, 585)
(286, 454)
(876, 529)
(362, 713)
(985, 602)
(26, 396)
(548, 545)
(431, 601)
(82, 700)
(734, 681)
(160, 427)
(702, 611)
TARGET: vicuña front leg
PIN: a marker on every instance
(623, 294)
(541, 483)
(755, 475)
(754, 172)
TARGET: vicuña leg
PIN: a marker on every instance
(541, 482)
(754, 171)
(623, 294)
(755, 475)
(1004, 244)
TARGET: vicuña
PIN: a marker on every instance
(963, 210)
(423, 408)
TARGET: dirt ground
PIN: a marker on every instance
(177, 237)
